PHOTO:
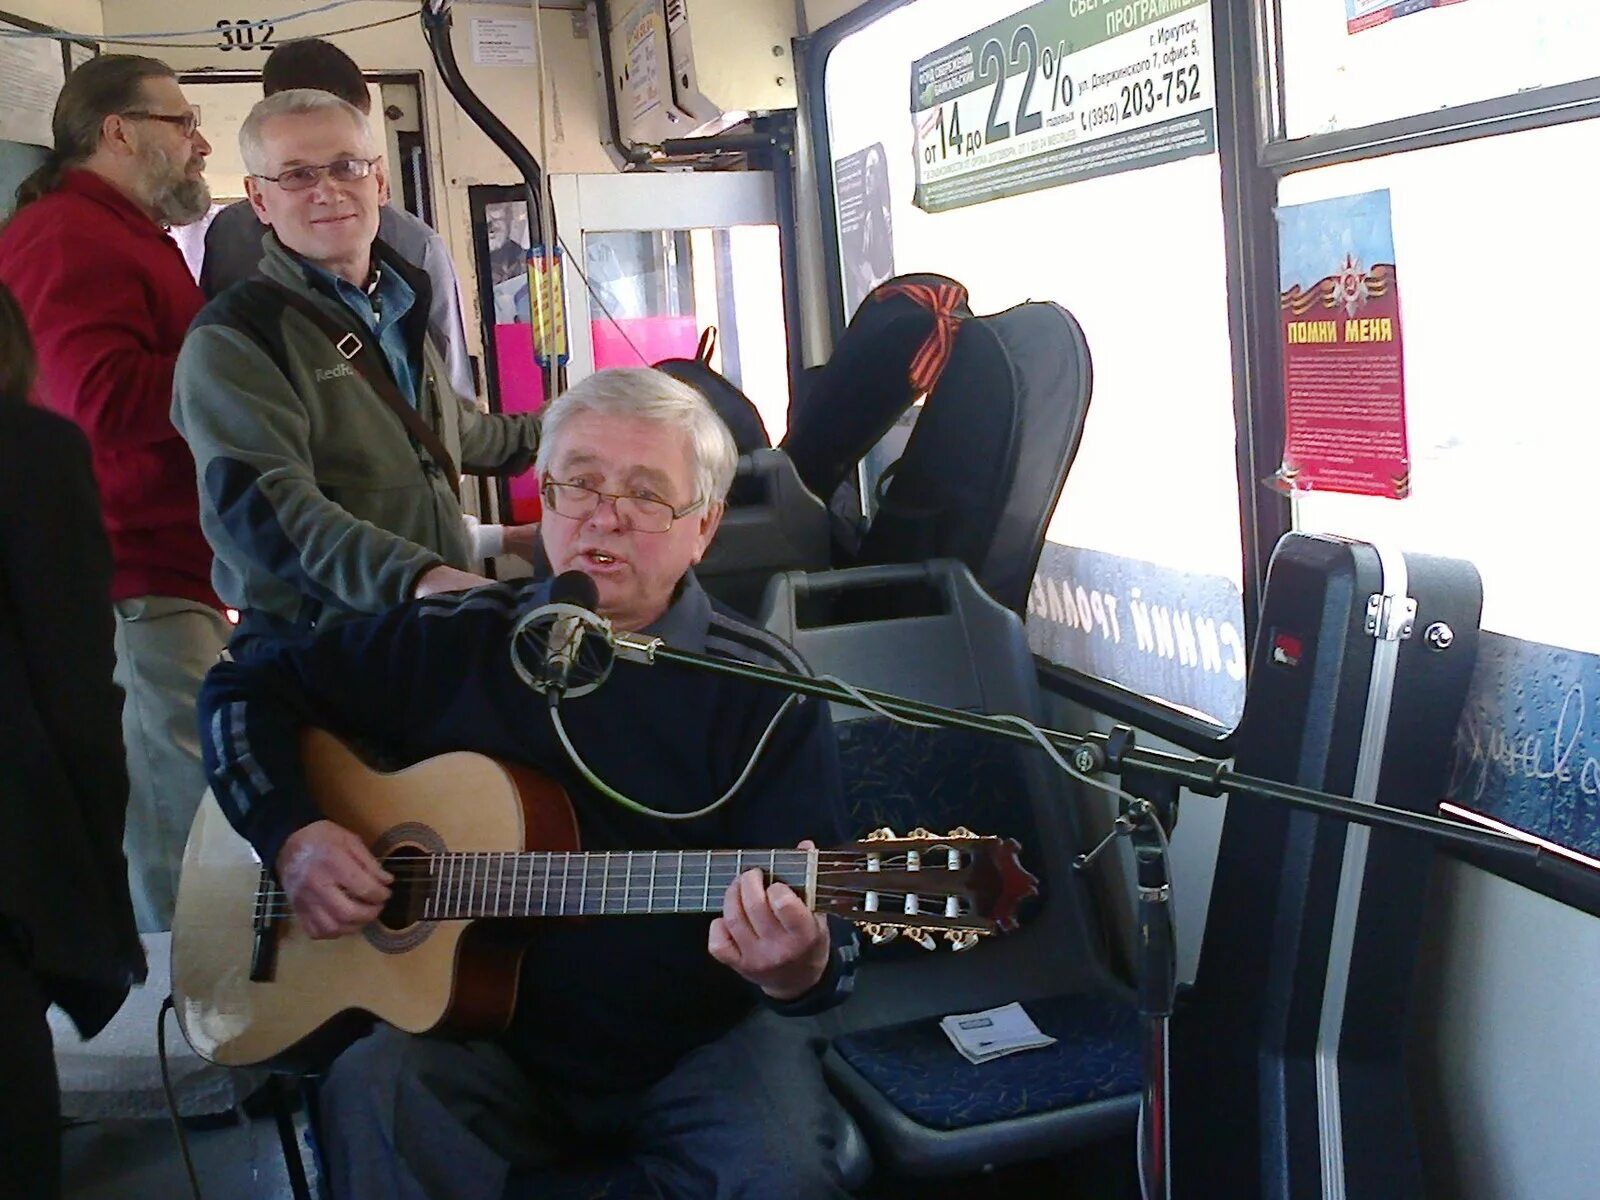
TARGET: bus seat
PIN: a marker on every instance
(772, 524)
(924, 1109)
(985, 462)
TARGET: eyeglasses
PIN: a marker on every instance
(639, 513)
(187, 123)
(344, 170)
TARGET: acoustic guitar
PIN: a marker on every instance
(480, 850)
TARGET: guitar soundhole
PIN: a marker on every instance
(404, 851)
(411, 890)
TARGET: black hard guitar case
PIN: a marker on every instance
(1288, 1057)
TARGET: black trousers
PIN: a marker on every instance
(30, 1098)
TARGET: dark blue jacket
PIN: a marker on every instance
(610, 1002)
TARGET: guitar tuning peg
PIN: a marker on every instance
(923, 938)
(961, 939)
(961, 833)
(882, 834)
(919, 834)
(880, 934)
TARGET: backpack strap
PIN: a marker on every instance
(707, 346)
(361, 354)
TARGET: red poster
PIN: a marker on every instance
(1366, 14)
(1343, 361)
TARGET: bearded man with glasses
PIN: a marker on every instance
(326, 434)
(107, 297)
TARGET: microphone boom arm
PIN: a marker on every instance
(1093, 752)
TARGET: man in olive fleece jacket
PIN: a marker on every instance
(318, 503)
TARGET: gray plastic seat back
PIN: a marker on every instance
(954, 646)
(772, 524)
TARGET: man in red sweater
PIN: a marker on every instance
(107, 298)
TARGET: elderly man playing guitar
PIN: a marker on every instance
(642, 1057)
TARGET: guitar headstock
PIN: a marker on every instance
(925, 885)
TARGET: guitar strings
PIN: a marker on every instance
(277, 896)
(277, 907)
(428, 866)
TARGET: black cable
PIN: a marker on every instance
(172, 1099)
(590, 288)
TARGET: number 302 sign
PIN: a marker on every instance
(245, 35)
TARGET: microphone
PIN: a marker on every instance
(569, 590)
(563, 647)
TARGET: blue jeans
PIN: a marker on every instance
(747, 1116)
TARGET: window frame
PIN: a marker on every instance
(1281, 154)
(1276, 158)
(1255, 156)
(1247, 193)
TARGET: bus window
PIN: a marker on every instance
(1502, 426)
(1342, 72)
(1140, 580)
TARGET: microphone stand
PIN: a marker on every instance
(1152, 778)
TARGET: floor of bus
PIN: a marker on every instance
(133, 1160)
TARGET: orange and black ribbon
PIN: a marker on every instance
(933, 355)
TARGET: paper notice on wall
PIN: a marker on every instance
(503, 43)
(643, 39)
(31, 75)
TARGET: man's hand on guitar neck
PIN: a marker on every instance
(769, 936)
(334, 883)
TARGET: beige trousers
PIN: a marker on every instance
(165, 646)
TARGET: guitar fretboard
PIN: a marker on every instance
(470, 886)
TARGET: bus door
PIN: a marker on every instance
(654, 260)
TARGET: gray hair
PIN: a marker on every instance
(650, 395)
(294, 103)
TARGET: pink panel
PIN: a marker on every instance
(655, 338)
(522, 388)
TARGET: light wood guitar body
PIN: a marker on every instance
(415, 978)
(480, 851)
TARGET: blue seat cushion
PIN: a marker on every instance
(903, 777)
(914, 1066)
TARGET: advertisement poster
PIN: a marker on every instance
(642, 37)
(1174, 635)
(866, 226)
(1064, 91)
(1365, 14)
(1344, 378)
